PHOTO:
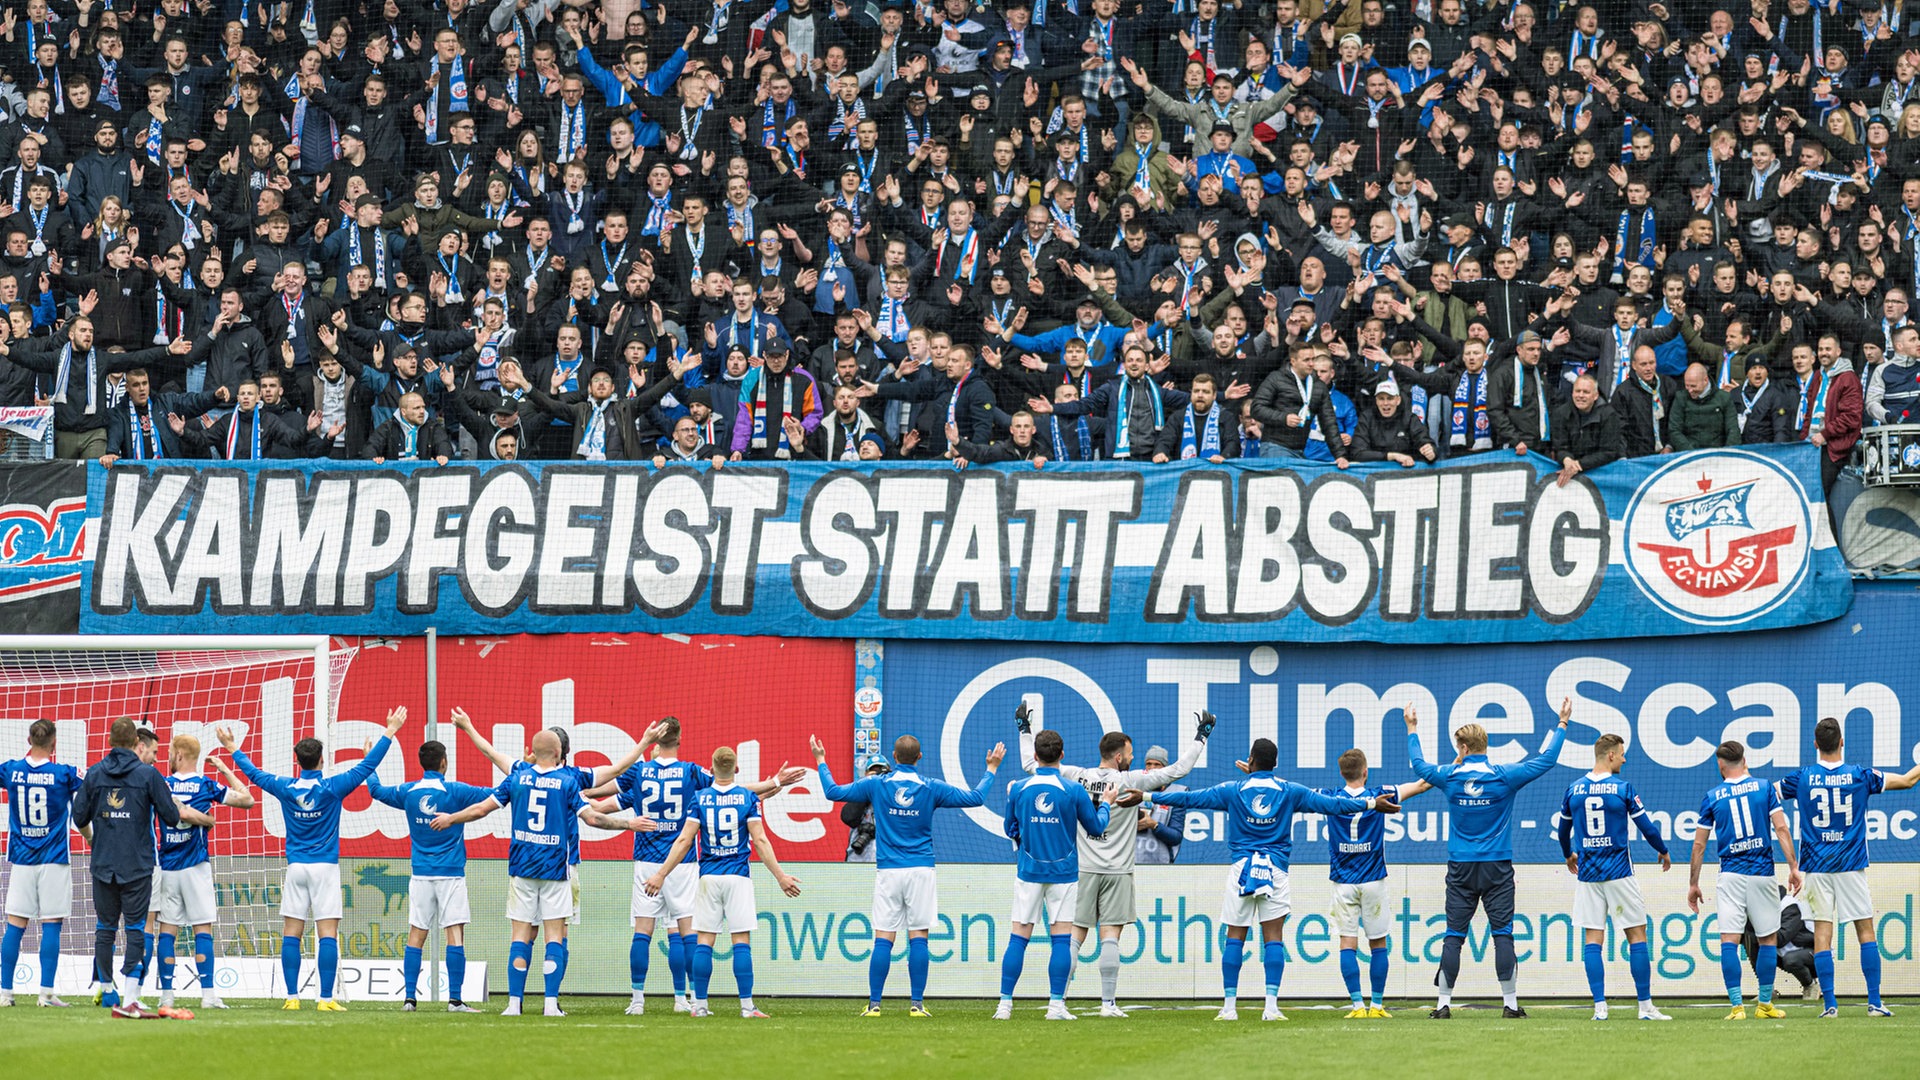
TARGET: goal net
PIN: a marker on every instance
(269, 692)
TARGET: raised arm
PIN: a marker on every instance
(269, 783)
(465, 723)
(1433, 775)
(854, 792)
(1540, 764)
(607, 773)
(238, 796)
(1155, 779)
(472, 813)
(951, 795)
(757, 829)
(364, 768)
(1209, 798)
(1903, 781)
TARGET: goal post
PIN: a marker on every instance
(270, 691)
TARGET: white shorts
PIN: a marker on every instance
(311, 892)
(1595, 901)
(573, 888)
(724, 902)
(185, 897)
(1362, 907)
(535, 900)
(1045, 904)
(1237, 910)
(437, 902)
(905, 898)
(43, 892)
(1838, 898)
(1747, 901)
(676, 898)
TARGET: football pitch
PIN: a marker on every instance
(823, 1038)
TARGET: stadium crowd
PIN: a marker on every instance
(1020, 230)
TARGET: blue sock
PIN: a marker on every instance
(410, 971)
(1350, 973)
(1596, 972)
(328, 961)
(1640, 960)
(1059, 966)
(1011, 962)
(677, 962)
(1870, 967)
(743, 973)
(1378, 972)
(1823, 967)
(49, 954)
(555, 967)
(637, 956)
(1274, 959)
(10, 953)
(701, 970)
(456, 974)
(519, 959)
(290, 964)
(1730, 970)
(877, 965)
(1769, 962)
(918, 960)
(1232, 954)
(203, 959)
(163, 958)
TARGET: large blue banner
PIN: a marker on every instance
(1493, 548)
(1674, 704)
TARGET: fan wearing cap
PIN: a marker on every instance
(1388, 431)
(779, 407)
(1221, 161)
(361, 242)
(493, 419)
(99, 173)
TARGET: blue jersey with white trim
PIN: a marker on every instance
(1741, 814)
(1833, 814)
(1043, 818)
(1260, 812)
(39, 809)
(185, 846)
(441, 853)
(310, 802)
(1480, 797)
(663, 791)
(1593, 825)
(903, 803)
(723, 812)
(1357, 842)
(544, 802)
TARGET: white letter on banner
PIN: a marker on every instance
(132, 546)
(1192, 677)
(1331, 600)
(1443, 588)
(1881, 705)
(1654, 713)
(1314, 705)
(213, 549)
(909, 501)
(1400, 499)
(1564, 683)
(1103, 502)
(506, 497)
(623, 519)
(1515, 718)
(1269, 518)
(300, 545)
(1494, 537)
(562, 540)
(748, 499)
(377, 538)
(1051, 501)
(670, 589)
(434, 550)
(1194, 556)
(836, 575)
(972, 556)
(1780, 723)
(1582, 547)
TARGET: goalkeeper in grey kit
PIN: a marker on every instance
(1106, 860)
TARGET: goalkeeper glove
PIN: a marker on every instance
(1205, 727)
(1024, 716)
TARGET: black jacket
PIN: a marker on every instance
(1592, 438)
(120, 798)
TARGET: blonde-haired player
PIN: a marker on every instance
(183, 890)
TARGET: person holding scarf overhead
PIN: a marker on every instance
(779, 407)
(1207, 429)
(1136, 408)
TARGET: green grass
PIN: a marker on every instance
(823, 1038)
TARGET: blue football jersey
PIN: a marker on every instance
(1480, 797)
(310, 802)
(1260, 812)
(1833, 814)
(723, 813)
(1043, 818)
(39, 806)
(186, 846)
(1593, 826)
(903, 803)
(433, 854)
(1741, 815)
(544, 803)
(664, 791)
(1357, 843)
